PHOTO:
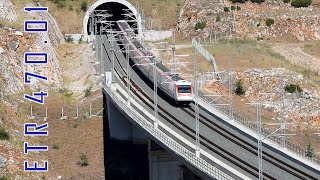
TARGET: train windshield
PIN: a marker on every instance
(184, 89)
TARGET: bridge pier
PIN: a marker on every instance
(119, 127)
(164, 166)
(126, 143)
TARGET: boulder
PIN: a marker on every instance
(1, 50)
(18, 33)
(14, 44)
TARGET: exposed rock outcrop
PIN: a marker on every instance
(15, 43)
(7, 11)
(249, 20)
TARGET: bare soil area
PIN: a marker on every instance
(312, 48)
(72, 138)
(295, 54)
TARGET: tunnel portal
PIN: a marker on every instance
(117, 9)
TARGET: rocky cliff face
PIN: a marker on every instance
(249, 21)
(203, 11)
(13, 45)
(7, 11)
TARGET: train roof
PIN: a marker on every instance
(159, 64)
(165, 69)
(183, 82)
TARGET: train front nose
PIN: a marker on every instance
(184, 93)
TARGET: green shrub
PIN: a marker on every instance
(65, 92)
(200, 25)
(87, 92)
(218, 18)
(239, 89)
(238, 8)
(300, 3)
(233, 8)
(226, 9)
(257, 1)
(55, 146)
(3, 178)
(84, 6)
(259, 38)
(293, 88)
(238, 1)
(286, 1)
(269, 22)
(59, 3)
(84, 161)
(309, 152)
(3, 134)
(69, 39)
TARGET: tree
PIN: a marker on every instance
(3, 134)
(257, 1)
(293, 88)
(239, 90)
(269, 22)
(84, 6)
(300, 3)
(200, 25)
(238, 1)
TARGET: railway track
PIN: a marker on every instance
(215, 127)
(189, 131)
(249, 147)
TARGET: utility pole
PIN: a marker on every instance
(230, 86)
(128, 73)
(173, 68)
(101, 54)
(282, 118)
(143, 20)
(259, 141)
(112, 57)
(155, 95)
(196, 90)
(160, 44)
(150, 23)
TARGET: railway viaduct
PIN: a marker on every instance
(228, 150)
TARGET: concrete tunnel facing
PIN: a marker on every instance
(117, 8)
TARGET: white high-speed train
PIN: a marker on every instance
(174, 87)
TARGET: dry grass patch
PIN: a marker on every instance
(68, 14)
(164, 11)
(312, 48)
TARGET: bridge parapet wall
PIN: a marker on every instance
(198, 164)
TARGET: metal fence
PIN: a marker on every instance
(88, 108)
(302, 152)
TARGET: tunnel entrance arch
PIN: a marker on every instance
(117, 9)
